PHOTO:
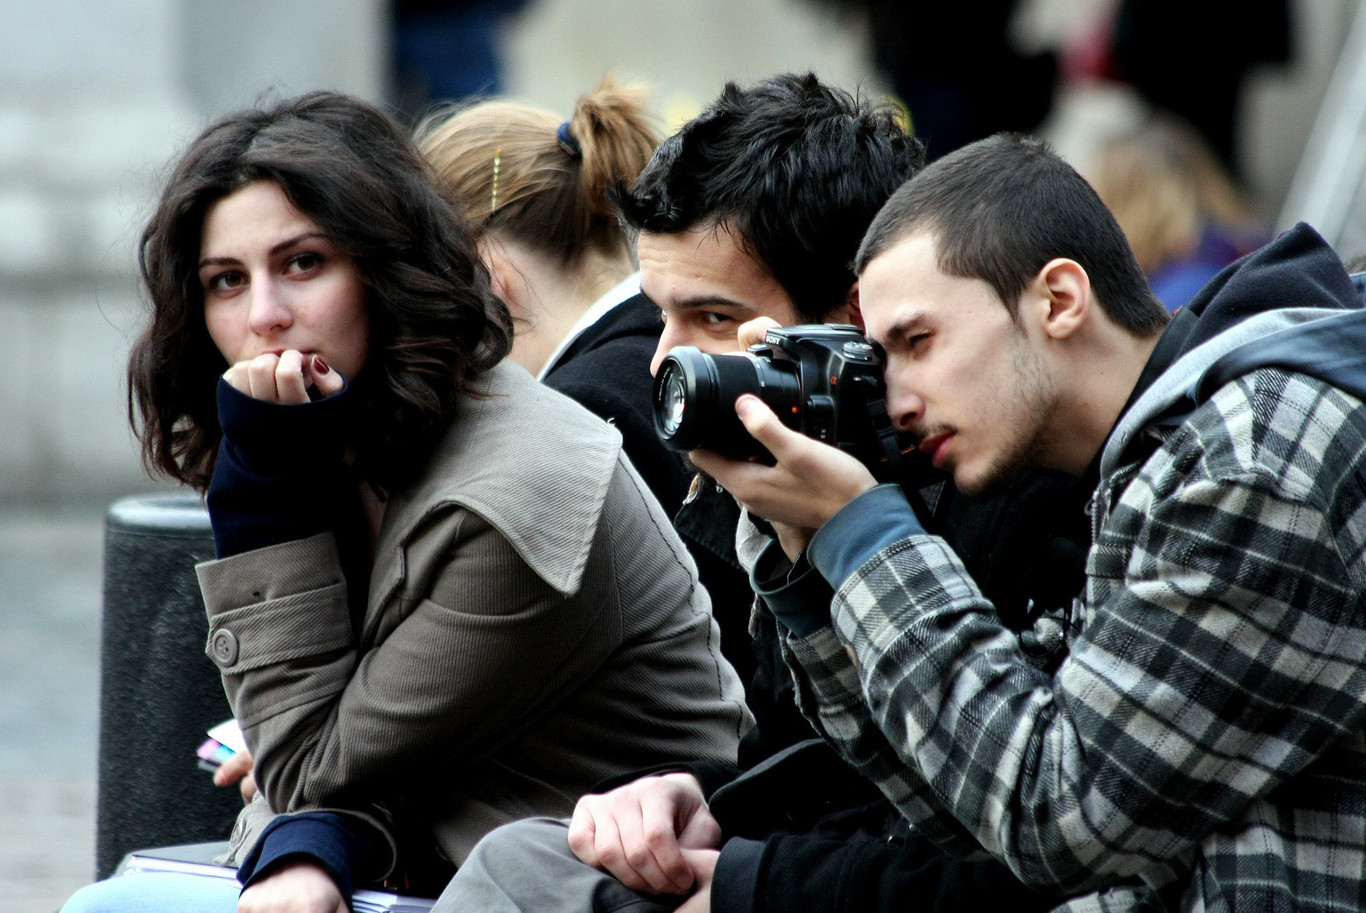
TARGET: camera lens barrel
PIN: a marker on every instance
(695, 393)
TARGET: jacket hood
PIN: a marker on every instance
(1288, 305)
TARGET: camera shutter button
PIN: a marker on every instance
(858, 350)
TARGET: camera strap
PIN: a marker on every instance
(895, 467)
(887, 439)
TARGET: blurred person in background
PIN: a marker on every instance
(1181, 210)
(1192, 58)
(958, 67)
(447, 50)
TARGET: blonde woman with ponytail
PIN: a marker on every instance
(536, 188)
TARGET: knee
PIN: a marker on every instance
(524, 839)
(93, 898)
(158, 892)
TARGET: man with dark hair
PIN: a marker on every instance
(786, 174)
(756, 209)
(1194, 737)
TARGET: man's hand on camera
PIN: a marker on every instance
(639, 832)
(807, 485)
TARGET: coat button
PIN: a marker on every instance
(224, 646)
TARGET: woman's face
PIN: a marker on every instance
(274, 282)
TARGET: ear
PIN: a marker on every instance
(1064, 299)
(501, 272)
(849, 310)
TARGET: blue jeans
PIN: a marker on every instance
(157, 892)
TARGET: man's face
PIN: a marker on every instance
(705, 285)
(970, 384)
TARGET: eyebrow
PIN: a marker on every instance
(703, 301)
(274, 251)
(902, 328)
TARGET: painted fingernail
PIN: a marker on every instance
(319, 366)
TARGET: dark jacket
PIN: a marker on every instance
(805, 831)
(802, 830)
(607, 370)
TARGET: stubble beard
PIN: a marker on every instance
(1024, 448)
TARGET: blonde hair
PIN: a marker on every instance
(512, 168)
(1163, 184)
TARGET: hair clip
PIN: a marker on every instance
(567, 142)
(497, 166)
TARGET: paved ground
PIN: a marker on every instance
(50, 583)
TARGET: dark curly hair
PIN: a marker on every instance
(434, 322)
(796, 169)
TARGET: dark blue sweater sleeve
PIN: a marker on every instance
(874, 520)
(279, 469)
(796, 594)
(799, 593)
(327, 840)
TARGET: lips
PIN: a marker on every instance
(934, 447)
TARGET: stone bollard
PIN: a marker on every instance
(158, 691)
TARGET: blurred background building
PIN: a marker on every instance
(97, 95)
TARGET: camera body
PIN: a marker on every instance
(823, 380)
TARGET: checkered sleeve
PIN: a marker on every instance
(831, 697)
(1218, 654)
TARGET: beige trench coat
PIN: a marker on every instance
(533, 625)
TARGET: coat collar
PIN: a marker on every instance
(532, 463)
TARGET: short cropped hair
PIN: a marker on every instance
(434, 320)
(1002, 207)
(793, 168)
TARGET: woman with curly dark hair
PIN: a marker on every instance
(443, 598)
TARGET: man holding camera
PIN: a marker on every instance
(1195, 738)
(756, 209)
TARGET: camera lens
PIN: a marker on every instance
(695, 393)
(674, 400)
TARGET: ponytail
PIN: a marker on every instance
(542, 181)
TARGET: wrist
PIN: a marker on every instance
(793, 591)
(876, 519)
(278, 439)
(684, 780)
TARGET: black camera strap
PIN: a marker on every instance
(887, 439)
(913, 478)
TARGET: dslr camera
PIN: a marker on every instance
(823, 380)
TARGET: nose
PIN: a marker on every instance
(904, 407)
(667, 340)
(268, 313)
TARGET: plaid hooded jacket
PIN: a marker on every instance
(1200, 741)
